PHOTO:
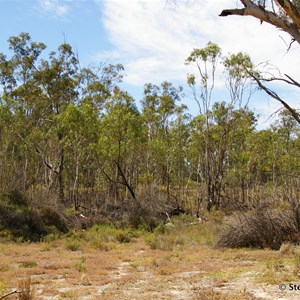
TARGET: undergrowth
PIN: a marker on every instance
(185, 231)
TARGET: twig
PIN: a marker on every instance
(11, 293)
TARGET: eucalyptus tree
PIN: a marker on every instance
(37, 91)
(239, 172)
(59, 86)
(120, 146)
(81, 127)
(180, 168)
(237, 78)
(18, 99)
(206, 61)
(214, 129)
(159, 108)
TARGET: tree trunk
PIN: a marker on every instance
(61, 178)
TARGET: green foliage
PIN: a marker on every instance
(3, 286)
(210, 53)
(297, 3)
(102, 237)
(238, 65)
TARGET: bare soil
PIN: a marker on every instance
(135, 271)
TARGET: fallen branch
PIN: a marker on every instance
(11, 293)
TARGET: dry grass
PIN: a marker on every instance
(122, 269)
(184, 232)
(211, 294)
(26, 291)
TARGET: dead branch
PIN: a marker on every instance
(275, 96)
(125, 182)
(11, 293)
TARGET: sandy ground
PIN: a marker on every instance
(134, 271)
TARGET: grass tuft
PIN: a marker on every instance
(27, 292)
(28, 264)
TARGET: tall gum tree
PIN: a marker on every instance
(214, 128)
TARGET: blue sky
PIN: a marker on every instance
(151, 39)
(52, 22)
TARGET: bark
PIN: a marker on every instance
(289, 22)
(291, 10)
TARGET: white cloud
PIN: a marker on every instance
(153, 39)
(55, 7)
(158, 37)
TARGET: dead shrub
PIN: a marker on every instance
(262, 228)
(25, 222)
(16, 197)
(140, 216)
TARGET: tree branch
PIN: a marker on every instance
(230, 12)
(275, 96)
(294, 82)
(125, 180)
(289, 81)
(261, 13)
